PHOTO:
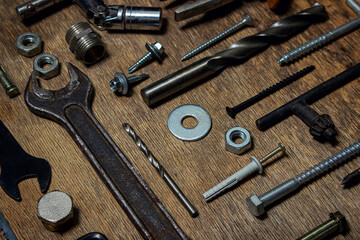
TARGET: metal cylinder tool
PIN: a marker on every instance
(239, 51)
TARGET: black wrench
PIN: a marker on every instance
(70, 107)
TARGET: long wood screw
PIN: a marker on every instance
(247, 21)
(10, 88)
(336, 224)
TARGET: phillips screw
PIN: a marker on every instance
(247, 21)
(336, 224)
(121, 83)
(10, 88)
(257, 204)
(254, 166)
(156, 51)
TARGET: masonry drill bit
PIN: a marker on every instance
(351, 178)
(173, 186)
(239, 51)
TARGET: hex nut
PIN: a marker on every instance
(24, 46)
(55, 210)
(256, 206)
(238, 148)
(44, 59)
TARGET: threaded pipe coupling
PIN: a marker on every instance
(85, 43)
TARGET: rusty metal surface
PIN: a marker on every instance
(71, 108)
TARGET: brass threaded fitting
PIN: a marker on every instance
(85, 43)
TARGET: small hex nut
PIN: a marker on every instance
(44, 59)
(238, 148)
(55, 210)
(255, 205)
(29, 44)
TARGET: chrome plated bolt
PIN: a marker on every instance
(10, 88)
(247, 21)
(121, 83)
(156, 51)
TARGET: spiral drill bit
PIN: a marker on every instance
(173, 186)
(239, 51)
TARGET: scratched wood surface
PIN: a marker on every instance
(195, 166)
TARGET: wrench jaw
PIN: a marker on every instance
(51, 103)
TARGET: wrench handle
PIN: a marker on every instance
(150, 216)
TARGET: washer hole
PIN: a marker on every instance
(28, 41)
(45, 62)
(237, 137)
(189, 122)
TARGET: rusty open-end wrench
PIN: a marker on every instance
(70, 107)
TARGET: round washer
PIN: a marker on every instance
(177, 116)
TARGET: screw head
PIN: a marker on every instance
(156, 49)
(119, 84)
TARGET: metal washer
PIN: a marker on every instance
(189, 134)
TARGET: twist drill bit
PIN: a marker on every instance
(173, 186)
(239, 51)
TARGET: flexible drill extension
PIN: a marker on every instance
(240, 50)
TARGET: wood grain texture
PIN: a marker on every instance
(195, 166)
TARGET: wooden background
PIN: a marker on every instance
(195, 166)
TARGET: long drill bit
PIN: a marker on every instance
(174, 187)
(239, 51)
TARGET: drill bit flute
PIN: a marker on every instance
(179, 194)
(239, 51)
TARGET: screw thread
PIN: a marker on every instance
(246, 21)
(146, 58)
(6, 83)
(280, 148)
(138, 78)
(319, 41)
(328, 163)
(242, 106)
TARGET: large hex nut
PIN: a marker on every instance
(55, 210)
(234, 133)
(29, 44)
(41, 61)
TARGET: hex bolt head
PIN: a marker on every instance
(255, 205)
(55, 210)
(156, 51)
(121, 83)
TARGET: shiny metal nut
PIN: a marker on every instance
(41, 61)
(234, 133)
(29, 44)
(55, 210)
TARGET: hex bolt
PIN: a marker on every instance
(246, 21)
(6, 83)
(121, 83)
(55, 210)
(156, 51)
(320, 41)
(254, 166)
(257, 204)
(336, 224)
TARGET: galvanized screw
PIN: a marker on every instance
(325, 38)
(121, 83)
(10, 88)
(247, 21)
(257, 204)
(336, 224)
(156, 51)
